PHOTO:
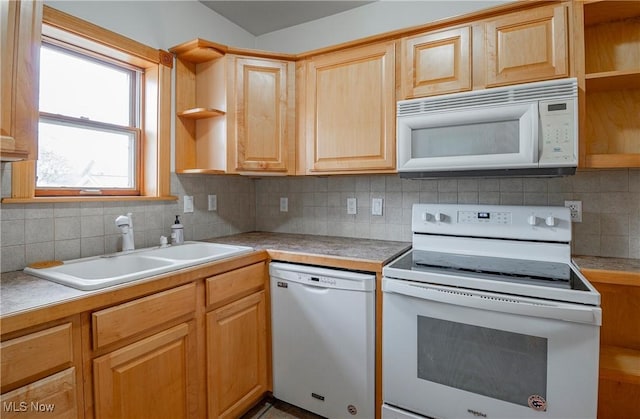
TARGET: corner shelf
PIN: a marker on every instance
(199, 51)
(200, 107)
(200, 113)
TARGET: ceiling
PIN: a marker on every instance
(260, 17)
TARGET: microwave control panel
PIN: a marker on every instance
(559, 139)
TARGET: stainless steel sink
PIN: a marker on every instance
(105, 271)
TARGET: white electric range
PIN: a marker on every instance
(487, 316)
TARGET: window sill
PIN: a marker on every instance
(56, 199)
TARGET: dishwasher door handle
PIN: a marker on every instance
(316, 289)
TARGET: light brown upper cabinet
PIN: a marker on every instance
(436, 63)
(349, 111)
(608, 59)
(234, 113)
(528, 45)
(21, 23)
(261, 115)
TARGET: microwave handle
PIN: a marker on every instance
(493, 302)
(537, 142)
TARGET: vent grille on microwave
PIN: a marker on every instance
(547, 90)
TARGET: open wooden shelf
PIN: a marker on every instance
(598, 12)
(612, 84)
(201, 113)
(200, 171)
(199, 51)
(612, 160)
(620, 364)
(613, 80)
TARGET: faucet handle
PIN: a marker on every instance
(123, 220)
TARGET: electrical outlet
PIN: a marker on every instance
(351, 206)
(576, 210)
(213, 203)
(376, 206)
(188, 204)
(284, 204)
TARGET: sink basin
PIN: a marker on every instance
(194, 251)
(105, 271)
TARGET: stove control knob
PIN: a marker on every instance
(440, 216)
(550, 221)
(532, 220)
(426, 216)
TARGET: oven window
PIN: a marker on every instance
(497, 137)
(503, 365)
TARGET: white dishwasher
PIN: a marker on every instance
(323, 328)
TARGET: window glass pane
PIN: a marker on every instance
(78, 157)
(80, 87)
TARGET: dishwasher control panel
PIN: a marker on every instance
(316, 279)
(314, 276)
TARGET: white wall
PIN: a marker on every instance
(158, 24)
(163, 24)
(371, 19)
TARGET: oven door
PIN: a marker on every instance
(455, 353)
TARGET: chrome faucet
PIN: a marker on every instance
(125, 224)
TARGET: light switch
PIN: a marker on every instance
(284, 204)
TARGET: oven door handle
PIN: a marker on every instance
(495, 302)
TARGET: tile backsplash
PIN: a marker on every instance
(316, 205)
(62, 231)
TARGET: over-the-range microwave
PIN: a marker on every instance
(521, 130)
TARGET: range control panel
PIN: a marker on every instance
(545, 223)
(483, 217)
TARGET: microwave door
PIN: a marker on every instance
(479, 138)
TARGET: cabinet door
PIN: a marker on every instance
(436, 63)
(527, 46)
(152, 378)
(350, 110)
(237, 356)
(21, 23)
(261, 116)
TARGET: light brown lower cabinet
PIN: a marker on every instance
(147, 379)
(196, 350)
(51, 397)
(40, 372)
(237, 356)
(619, 384)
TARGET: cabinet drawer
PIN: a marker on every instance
(51, 397)
(36, 355)
(224, 287)
(126, 320)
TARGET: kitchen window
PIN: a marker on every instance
(122, 134)
(89, 126)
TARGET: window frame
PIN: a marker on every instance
(134, 122)
(155, 125)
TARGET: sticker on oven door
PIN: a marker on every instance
(537, 402)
